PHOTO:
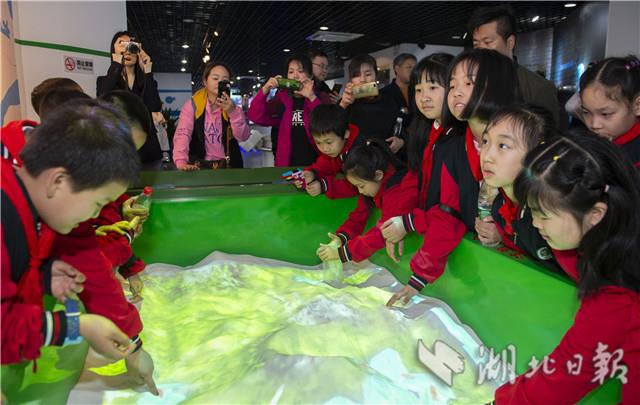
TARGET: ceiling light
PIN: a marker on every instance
(564, 17)
(237, 77)
(536, 18)
(464, 36)
(250, 71)
(286, 50)
(569, 5)
(187, 20)
(185, 46)
(231, 82)
(325, 28)
(183, 69)
(192, 83)
(184, 61)
(456, 37)
(216, 33)
(206, 58)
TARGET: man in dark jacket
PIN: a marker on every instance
(495, 28)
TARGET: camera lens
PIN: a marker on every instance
(132, 47)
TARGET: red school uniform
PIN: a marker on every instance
(630, 143)
(451, 206)
(515, 226)
(326, 168)
(393, 199)
(25, 276)
(102, 292)
(116, 247)
(604, 339)
(12, 139)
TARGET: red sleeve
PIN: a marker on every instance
(357, 220)
(442, 233)
(102, 292)
(116, 247)
(611, 317)
(259, 111)
(397, 200)
(322, 167)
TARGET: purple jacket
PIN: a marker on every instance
(259, 112)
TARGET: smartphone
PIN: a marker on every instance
(224, 87)
(336, 88)
(365, 90)
(289, 84)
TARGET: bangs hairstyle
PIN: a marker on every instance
(359, 60)
(304, 61)
(365, 159)
(132, 106)
(435, 67)
(328, 118)
(573, 173)
(620, 78)
(90, 140)
(209, 67)
(531, 124)
(495, 85)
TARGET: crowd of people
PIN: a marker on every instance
(422, 150)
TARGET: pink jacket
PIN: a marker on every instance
(259, 112)
(213, 129)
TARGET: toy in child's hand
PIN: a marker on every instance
(296, 177)
(120, 227)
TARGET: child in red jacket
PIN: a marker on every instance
(480, 82)
(510, 134)
(334, 137)
(610, 97)
(75, 163)
(377, 174)
(585, 195)
(83, 249)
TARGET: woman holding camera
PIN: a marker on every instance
(210, 125)
(131, 70)
(295, 144)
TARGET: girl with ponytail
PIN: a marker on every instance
(584, 196)
(377, 174)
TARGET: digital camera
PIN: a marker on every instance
(131, 46)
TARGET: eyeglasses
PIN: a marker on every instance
(323, 67)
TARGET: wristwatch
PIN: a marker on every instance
(73, 322)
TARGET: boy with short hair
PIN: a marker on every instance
(334, 137)
(74, 164)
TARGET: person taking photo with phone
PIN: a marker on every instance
(210, 125)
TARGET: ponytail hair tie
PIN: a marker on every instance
(632, 64)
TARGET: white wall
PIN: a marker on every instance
(174, 89)
(384, 57)
(83, 24)
(623, 31)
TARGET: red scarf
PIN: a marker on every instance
(628, 136)
(472, 155)
(427, 162)
(509, 212)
